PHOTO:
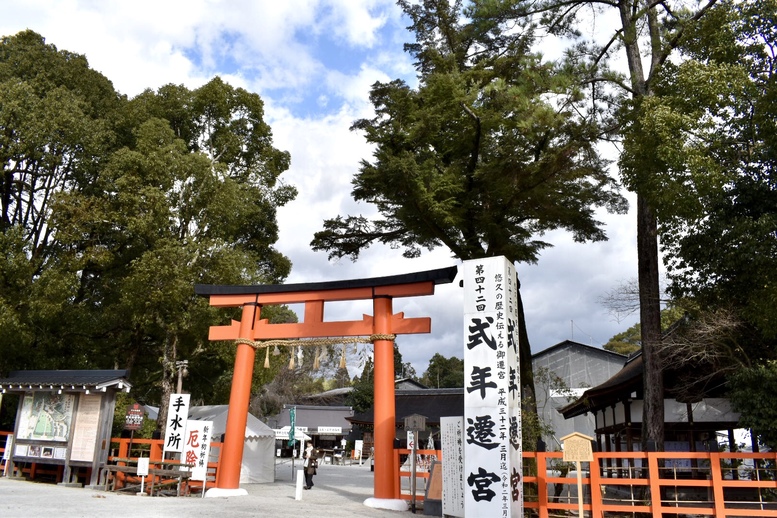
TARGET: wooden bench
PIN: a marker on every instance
(168, 477)
(112, 478)
(161, 474)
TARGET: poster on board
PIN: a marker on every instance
(46, 416)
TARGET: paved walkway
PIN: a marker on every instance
(338, 491)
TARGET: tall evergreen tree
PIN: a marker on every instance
(492, 149)
(646, 34)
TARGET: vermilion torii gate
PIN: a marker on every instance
(251, 330)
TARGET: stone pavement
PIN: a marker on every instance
(339, 491)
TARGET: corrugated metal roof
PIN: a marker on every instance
(313, 416)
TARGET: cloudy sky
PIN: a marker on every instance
(312, 62)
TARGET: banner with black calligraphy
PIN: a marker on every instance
(177, 415)
(492, 396)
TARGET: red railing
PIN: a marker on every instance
(655, 484)
(3, 446)
(124, 448)
(423, 463)
(617, 484)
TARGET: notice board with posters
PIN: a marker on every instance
(64, 418)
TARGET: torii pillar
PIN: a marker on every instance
(383, 324)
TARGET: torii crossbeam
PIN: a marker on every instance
(382, 324)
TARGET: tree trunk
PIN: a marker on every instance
(650, 320)
(528, 395)
(168, 378)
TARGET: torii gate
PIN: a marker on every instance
(380, 327)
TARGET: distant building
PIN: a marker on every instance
(691, 418)
(562, 373)
(575, 366)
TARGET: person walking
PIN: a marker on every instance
(310, 464)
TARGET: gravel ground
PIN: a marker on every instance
(338, 491)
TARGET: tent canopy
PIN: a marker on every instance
(218, 414)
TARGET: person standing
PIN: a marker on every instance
(310, 464)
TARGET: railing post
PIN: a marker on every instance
(124, 448)
(594, 475)
(655, 486)
(542, 483)
(397, 477)
(717, 486)
(155, 451)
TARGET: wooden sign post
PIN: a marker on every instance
(577, 448)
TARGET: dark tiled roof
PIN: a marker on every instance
(64, 379)
(431, 403)
(439, 276)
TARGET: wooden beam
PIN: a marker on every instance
(263, 331)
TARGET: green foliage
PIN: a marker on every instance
(487, 153)
(124, 401)
(708, 132)
(630, 340)
(444, 372)
(362, 397)
(113, 208)
(492, 149)
(752, 394)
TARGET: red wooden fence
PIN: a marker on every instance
(655, 484)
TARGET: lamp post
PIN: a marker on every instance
(183, 371)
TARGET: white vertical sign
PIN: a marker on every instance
(196, 448)
(492, 399)
(452, 442)
(177, 414)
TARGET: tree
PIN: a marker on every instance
(753, 395)
(444, 372)
(630, 340)
(492, 149)
(719, 104)
(55, 125)
(648, 34)
(138, 200)
(712, 123)
(362, 397)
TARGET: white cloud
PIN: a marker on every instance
(354, 21)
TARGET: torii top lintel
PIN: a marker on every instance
(313, 295)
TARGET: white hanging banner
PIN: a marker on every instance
(177, 415)
(492, 398)
(196, 449)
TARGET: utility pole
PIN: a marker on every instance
(183, 371)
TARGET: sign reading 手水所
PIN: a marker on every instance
(177, 415)
(492, 397)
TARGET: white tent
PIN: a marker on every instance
(259, 450)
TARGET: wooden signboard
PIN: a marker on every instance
(434, 489)
(577, 448)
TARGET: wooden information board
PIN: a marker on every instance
(434, 488)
